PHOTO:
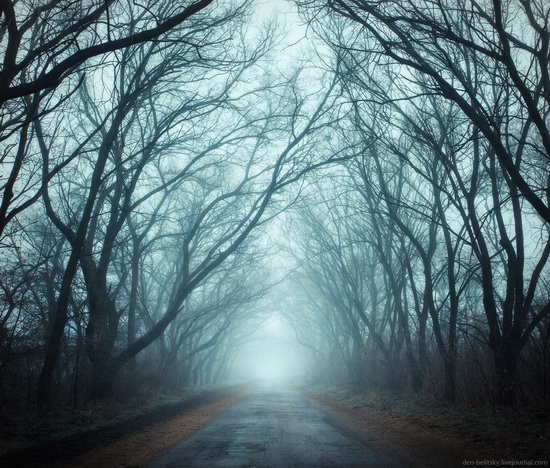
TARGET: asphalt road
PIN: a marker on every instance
(273, 427)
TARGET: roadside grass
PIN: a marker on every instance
(416, 409)
(20, 430)
(510, 432)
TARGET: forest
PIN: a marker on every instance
(374, 173)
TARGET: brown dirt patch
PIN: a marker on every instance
(130, 443)
(418, 433)
(435, 434)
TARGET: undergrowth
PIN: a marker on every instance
(19, 430)
(411, 406)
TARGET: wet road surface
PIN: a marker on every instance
(273, 427)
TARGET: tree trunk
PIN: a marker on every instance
(53, 349)
(50, 361)
(506, 359)
(449, 363)
(103, 378)
(104, 370)
(102, 330)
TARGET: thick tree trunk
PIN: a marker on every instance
(104, 369)
(53, 351)
(450, 378)
(101, 332)
(103, 378)
(506, 359)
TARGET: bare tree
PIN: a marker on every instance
(470, 88)
(47, 51)
(125, 148)
(208, 149)
(443, 41)
(44, 45)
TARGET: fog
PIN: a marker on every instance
(272, 354)
(150, 150)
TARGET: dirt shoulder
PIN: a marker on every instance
(134, 442)
(431, 433)
(418, 433)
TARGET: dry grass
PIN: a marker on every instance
(22, 430)
(478, 432)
